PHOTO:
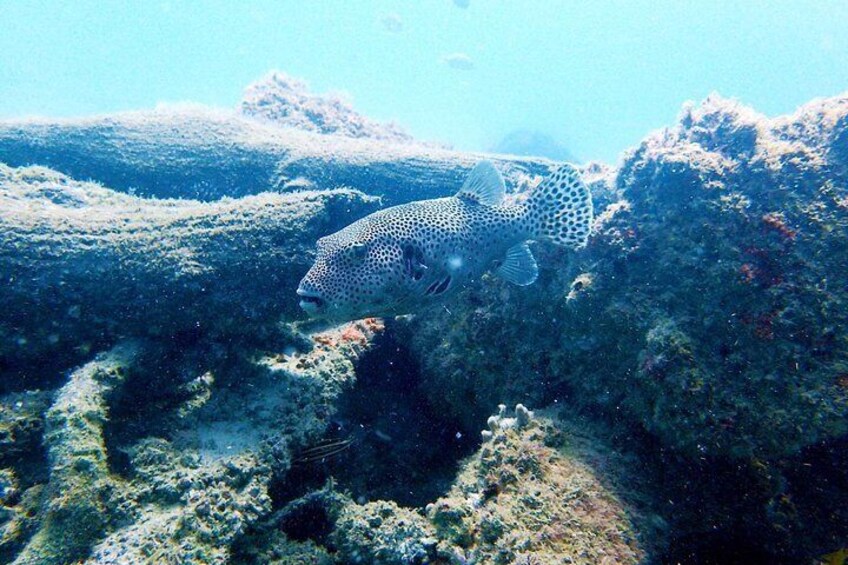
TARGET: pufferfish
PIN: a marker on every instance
(401, 259)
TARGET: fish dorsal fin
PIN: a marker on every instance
(519, 266)
(483, 185)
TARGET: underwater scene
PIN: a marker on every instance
(451, 282)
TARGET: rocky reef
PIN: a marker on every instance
(84, 265)
(205, 154)
(161, 403)
(716, 277)
(287, 101)
(708, 311)
(530, 493)
(181, 480)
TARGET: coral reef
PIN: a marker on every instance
(287, 101)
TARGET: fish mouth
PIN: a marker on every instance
(311, 302)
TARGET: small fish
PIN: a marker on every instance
(400, 259)
(322, 451)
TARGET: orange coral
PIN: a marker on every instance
(374, 324)
(353, 334)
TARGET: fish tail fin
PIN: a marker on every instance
(560, 208)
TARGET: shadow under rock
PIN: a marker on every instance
(402, 450)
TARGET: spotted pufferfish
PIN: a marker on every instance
(400, 259)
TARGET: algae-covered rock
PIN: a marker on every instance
(181, 268)
(179, 482)
(275, 548)
(287, 101)
(80, 500)
(382, 532)
(21, 427)
(523, 498)
(206, 154)
(709, 309)
(19, 520)
(528, 495)
(204, 487)
(217, 502)
(709, 306)
(705, 323)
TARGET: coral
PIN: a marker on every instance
(523, 498)
(522, 419)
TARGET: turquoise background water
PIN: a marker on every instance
(596, 76)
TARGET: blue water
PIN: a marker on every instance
(595, 77)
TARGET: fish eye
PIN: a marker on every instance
(357, 251)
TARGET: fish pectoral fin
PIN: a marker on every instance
(413, 260)
(484, 185)
(519, 267)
